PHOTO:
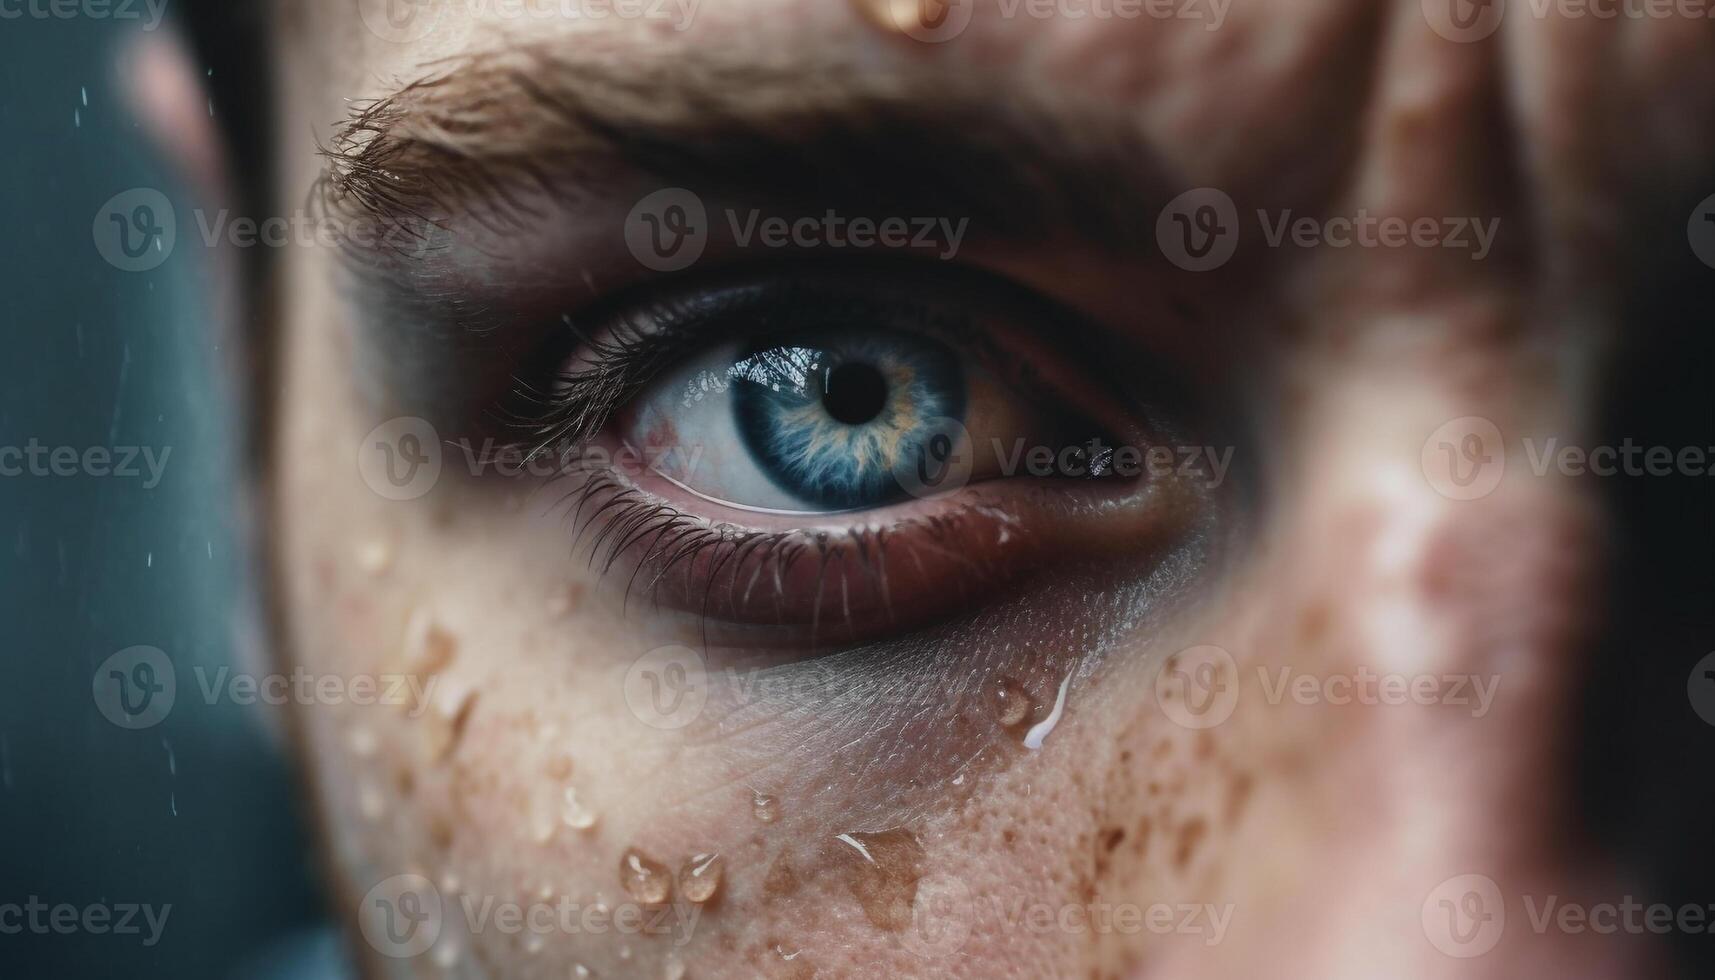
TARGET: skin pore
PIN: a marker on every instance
(880, 788)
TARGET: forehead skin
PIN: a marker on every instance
(1321, 107)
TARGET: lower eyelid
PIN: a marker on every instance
(762, 579)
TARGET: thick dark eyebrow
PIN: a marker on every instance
(479, 134)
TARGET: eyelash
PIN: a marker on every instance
(713, 567)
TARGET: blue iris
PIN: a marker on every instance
(827, 422)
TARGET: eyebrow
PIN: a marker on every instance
(480, 133)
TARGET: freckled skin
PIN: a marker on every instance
(1322, 828)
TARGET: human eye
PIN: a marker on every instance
(829, 456)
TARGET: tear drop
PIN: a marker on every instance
(1012, 704)
(700, 878)
(645, 880)
(573, 813)
(764, 808)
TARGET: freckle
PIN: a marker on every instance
(560, 767)
(1112, 837)
(406, 781)
(1238, 794)
(1163, 747)
(1010, 838)
(1144, 827)
(1205, 745)
(1154, 788)
(781, 880)
(1125, 757)
(1313, 625)
(440, 834)
(1190, 835)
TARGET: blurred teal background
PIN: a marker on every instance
(198, 811)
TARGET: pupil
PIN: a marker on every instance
(854, 393)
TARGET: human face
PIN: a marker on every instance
(1259, 700)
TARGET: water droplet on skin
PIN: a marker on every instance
(1012, 703)
(374, 557)
(647, 881)
(450, 883)
(543, 820)
(446, 955)
(428, 648)
(700, 878)
(764, 807)
(675, 969)
(580, 972)
(533, 944)
(573, 813)
(625, 952)
(881, 870)
(361, 742)
(1038, 732)
(370, 802)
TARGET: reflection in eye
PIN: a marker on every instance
(775, 415)
(814, 424)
